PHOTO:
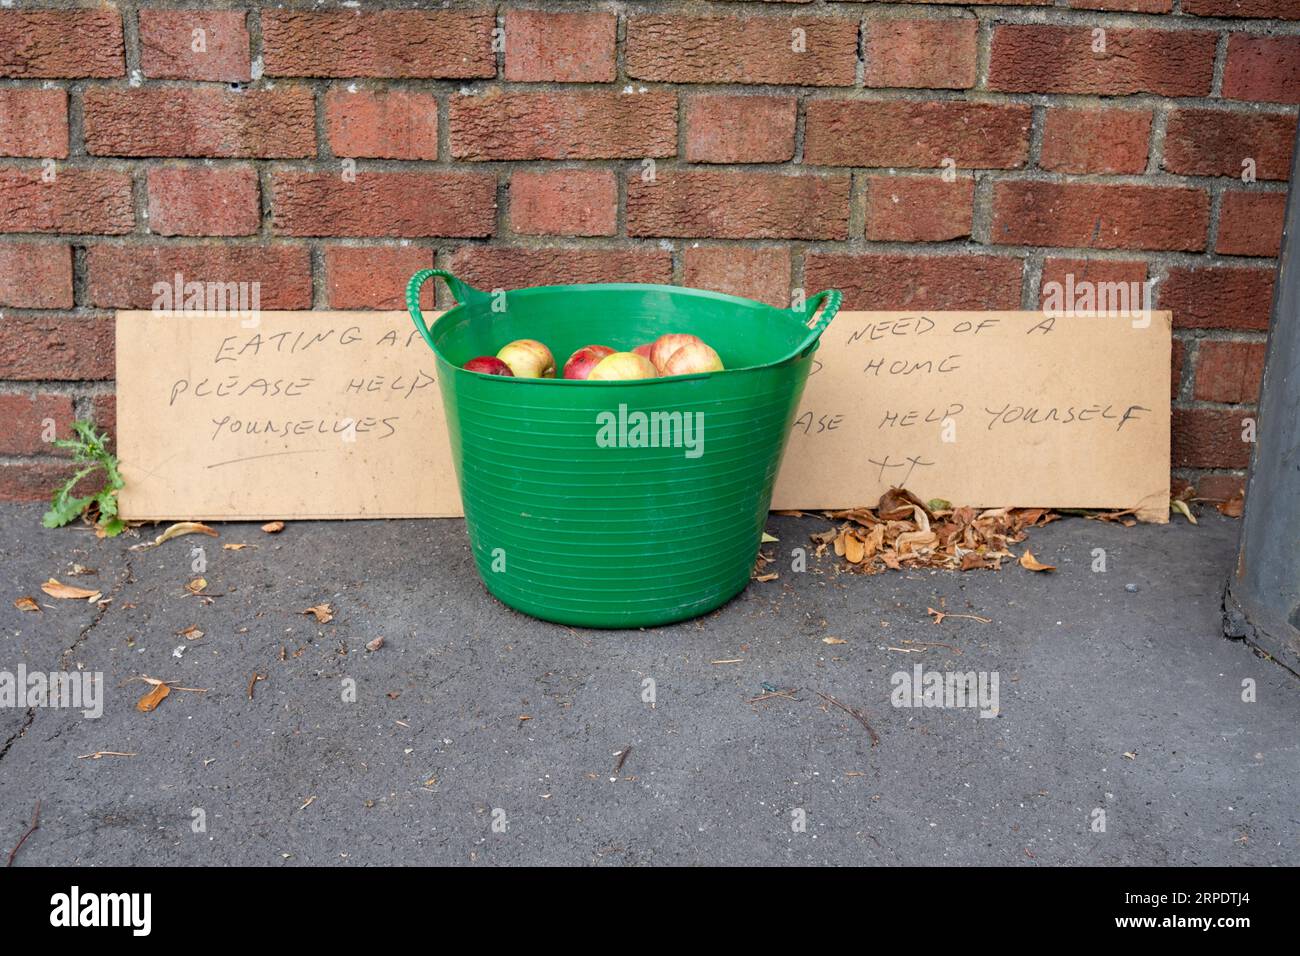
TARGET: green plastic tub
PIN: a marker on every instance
(575, 513)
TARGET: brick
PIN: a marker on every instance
(740, 129)
(762, 274)
(1097, 216)
(103, 409)
(542, 46)
(1275, 9)
(1043, 58)
(1060, 275)
(25, 419)
(404, 204)
(1209, 438)
(277, 123)
(385, 124)
(1262, 69)
(1176, 359)
(739, 205)
(888, 281)
(928, 54)
(34, 123)
(1128, 6)
(203, 200)
(1216, 297)
(564, 202)
(168, 39)
(1250, 223)
(1095, 140)
(735, 49)
(57, 347)
(1220, 487)
(78, 201)
(1201, 142)
(918, 208)
(35, 479)
(489, 267)
(1229, 371)
(375, 277)
(1076, 293)
(54, 44)
(397, 44)
(904, 133)
(123, 276)
(563, 125)
(35, 275)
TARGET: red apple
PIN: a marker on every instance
(644, 350)
(691, 358)
(528, 358)
(488, 365)
(581, 362)
(662, 349)
(621, 366)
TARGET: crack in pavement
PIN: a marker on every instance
(127, 577)
(27, 722)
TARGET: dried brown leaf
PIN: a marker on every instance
(1180, 506)
(273, 527)
(67, 592)
(1233, 507)
(155, 696)
(897, 504)
(911, 541)
(323, 613)
(27, 603)
(1031, 563)
(176, 530)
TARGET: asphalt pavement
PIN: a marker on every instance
(1125, 730)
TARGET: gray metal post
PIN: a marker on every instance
(1262, 604)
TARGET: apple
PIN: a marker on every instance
(691, 358)
(528, 358)
(488, 365)
(621, 366)
(581, 362)
(662, 349)
(644, 350)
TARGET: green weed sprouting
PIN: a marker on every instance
(89, 450)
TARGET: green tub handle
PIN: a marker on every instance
(462, 290)
(831, 299)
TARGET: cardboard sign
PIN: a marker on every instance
(338, 415)
(986, 409)
(305, 415)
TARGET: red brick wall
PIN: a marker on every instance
(774, 169)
